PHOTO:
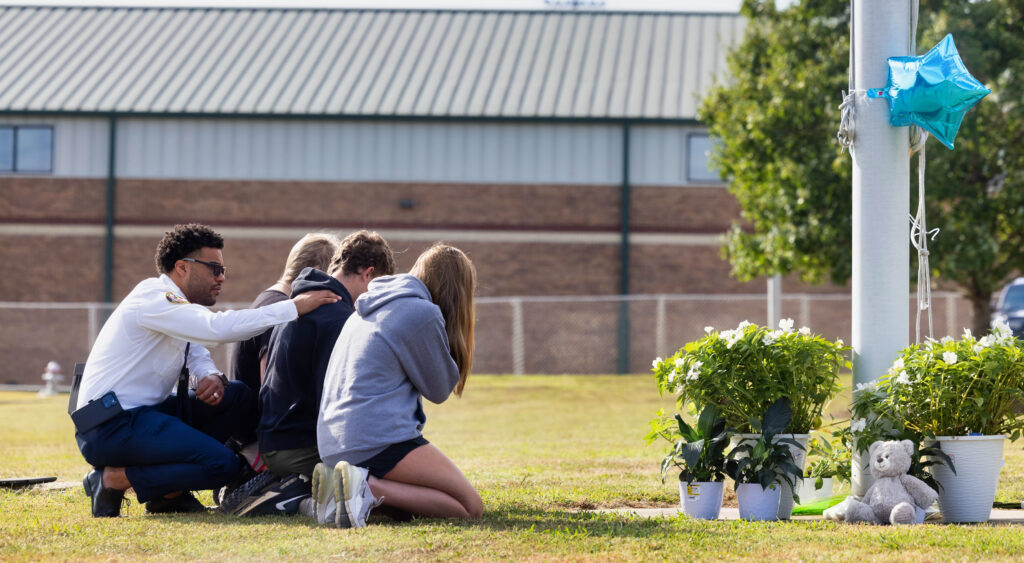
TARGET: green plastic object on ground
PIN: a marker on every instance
(817, 507)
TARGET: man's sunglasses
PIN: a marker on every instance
(215, 268)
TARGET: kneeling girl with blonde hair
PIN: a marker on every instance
(412, 338)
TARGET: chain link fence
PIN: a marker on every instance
(514, 335)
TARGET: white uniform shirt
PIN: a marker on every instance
(139, 352)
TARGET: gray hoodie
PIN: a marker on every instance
(392, 352)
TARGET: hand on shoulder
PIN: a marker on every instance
(306, 302)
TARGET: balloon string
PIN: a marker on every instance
(848, 110)
(919, 235)
(849, 106)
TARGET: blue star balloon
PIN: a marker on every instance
(933, 91)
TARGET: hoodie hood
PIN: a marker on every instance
(386, 289)
(311, 279)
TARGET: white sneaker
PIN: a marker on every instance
(324, 504)
(354, 499)
(307, 507)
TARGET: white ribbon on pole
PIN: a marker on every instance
(919, 236)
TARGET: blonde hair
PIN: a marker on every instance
(312, 251)
(451, 279)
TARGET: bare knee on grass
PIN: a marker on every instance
(427, 483)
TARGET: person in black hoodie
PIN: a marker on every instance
(297, 360)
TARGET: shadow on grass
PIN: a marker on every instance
(525, 520)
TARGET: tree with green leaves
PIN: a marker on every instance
(776, 117)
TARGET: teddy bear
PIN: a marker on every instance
(895, 494)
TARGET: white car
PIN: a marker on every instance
(1009, 306)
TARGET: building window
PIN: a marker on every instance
(26, 149)
(698, 159)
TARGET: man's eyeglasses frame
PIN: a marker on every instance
(216, 269)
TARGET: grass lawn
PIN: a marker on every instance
(538, 448)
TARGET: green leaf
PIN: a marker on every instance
(707, 421)
(685, 429)
(692, 454)
(777, 417)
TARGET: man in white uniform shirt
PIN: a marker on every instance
(129, 426)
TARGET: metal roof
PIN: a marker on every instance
(361, 63)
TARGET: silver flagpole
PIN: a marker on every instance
(881, 200)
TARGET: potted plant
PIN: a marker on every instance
(828, 462)
(958, 396)
(745, 370)
(760, 467)
(699, 454)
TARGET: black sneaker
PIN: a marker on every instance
(181, 504)
(245, 475)
(268, 494)
(106, 503)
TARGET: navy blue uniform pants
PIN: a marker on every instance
(161, 454)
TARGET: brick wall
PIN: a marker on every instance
(691, 209)
(506, 268)
(346, 204)
(67, 265)
(52, 199)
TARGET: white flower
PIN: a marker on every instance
(967, 333)
(732, 337)
(858, 424)
(839, 342)
(768, 339)
(949, 357)
(671, 377)
(896, 366)
(786, 325)
(870, 385)
(694, 372)
(709, 329)
(1000, 327)
(946, 339)
(987, 341)
(656, 362)
(1002, 332)
(680, 363)
(743, 325)
(977, 348)
(805, 331)
(903, 378)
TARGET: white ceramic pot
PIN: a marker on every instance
(702, 500)
(799, 456)
(757, 503)
(967, 495)
(860, 473)
(809, 494)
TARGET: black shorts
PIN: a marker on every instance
(382, 463)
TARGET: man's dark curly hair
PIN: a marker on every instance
(183, 240)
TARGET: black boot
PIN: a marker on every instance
(106, 503)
